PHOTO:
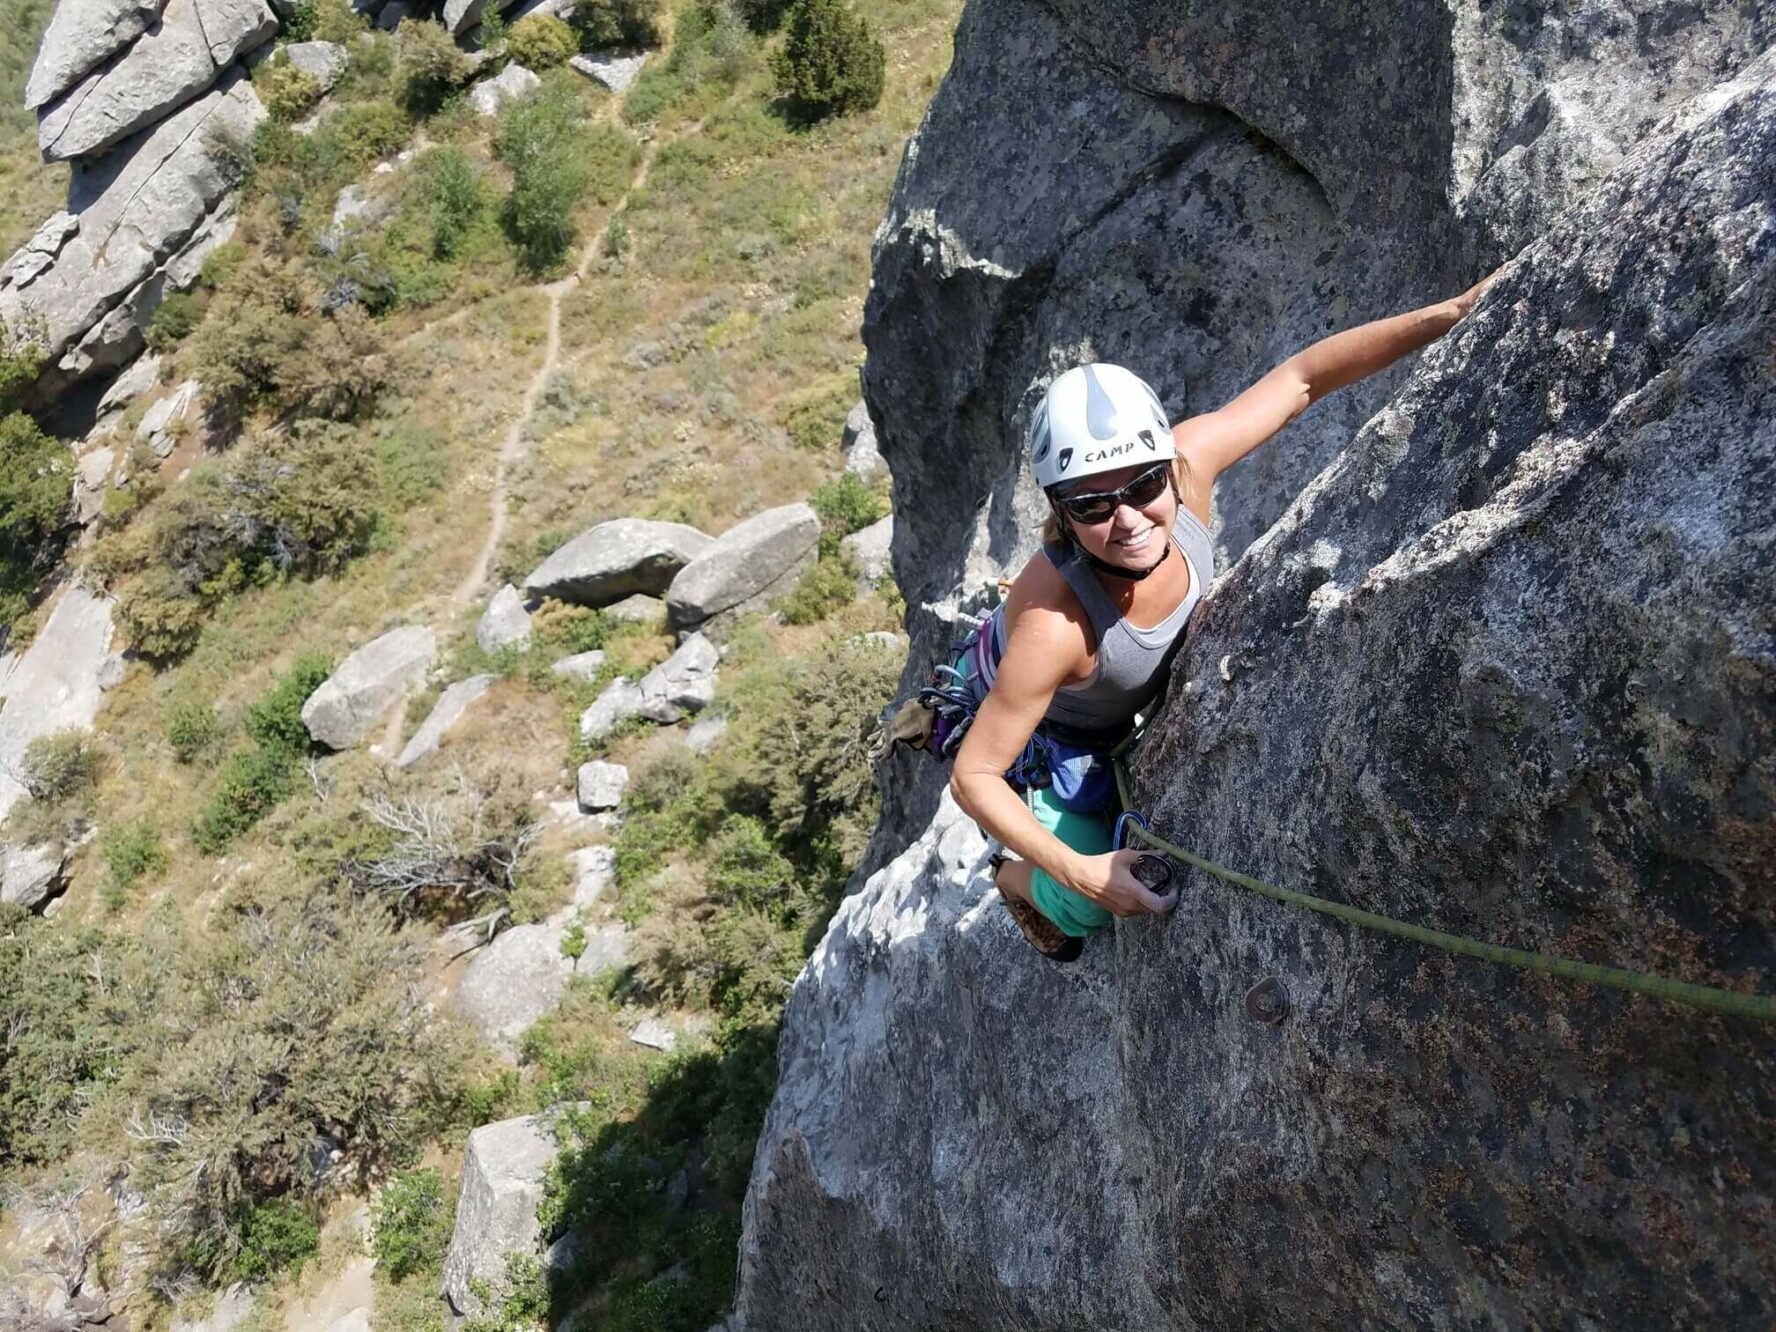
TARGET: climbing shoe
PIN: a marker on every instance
(1044, 935)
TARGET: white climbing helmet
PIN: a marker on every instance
(1096, 418)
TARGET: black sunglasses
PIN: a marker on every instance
(1099, 505)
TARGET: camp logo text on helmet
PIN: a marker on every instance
(1096, 418)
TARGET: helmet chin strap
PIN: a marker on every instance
(1117, 571)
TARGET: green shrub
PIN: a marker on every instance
(542, 41)
(453, 196)
(830, 62)
(821, 591)
(275, 721)
(410, 1223)
(59, 766)
(410, 456)
(252, 783)
(36, 480)
(845, 506)
(173, 320)
(193, 729)
(294, 1017)
(617, 22)
(159, 615)
(539, 137)
(274, 1236)
(338, 21)
(287, 92)
(747, 870)
(763, 16)
(134, 850)
(365, 131)
(303, 17)
(815, 417)
(430, 66)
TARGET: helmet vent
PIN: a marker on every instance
(1100, 411)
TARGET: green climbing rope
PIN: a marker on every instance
(1615, 978)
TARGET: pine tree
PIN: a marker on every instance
(830, 62)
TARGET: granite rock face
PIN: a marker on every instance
(83, 34)
(131, 213)
(1502, 664)
(172, 63)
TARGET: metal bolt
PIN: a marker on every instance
(1267, 1002)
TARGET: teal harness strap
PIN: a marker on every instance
(1731, 1002)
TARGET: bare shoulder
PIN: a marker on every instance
(1047, 631)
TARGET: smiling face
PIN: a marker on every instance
(1133, 537)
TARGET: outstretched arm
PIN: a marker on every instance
(1214, 441)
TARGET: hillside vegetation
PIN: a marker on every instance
(240, 997)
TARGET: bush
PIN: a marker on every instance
(274, 1236)
(746, 870)
(296, 1020)
(821, 591)
(252, 783)
(617, 22)
(337, 369)
(430, 66)
(59, 766)
(287, 92)
(845, 506)
(763, 16)
(58, 1051)
(36, 481)
(134, 850)
(830, 62)
(160, 616)
(275, 721)
(452, 194)
(300, 25)
(173, 320)
(410, 1223)
(815, 417)
(539, 137)
(542, 41)
(193, 729)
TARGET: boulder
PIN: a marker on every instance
(616, 70)
(341, 713)
(166, 67)
(684, 682)
(746, 567)
(616, 559)
(158, 423)
(325, 61)
(512, 81)
(91, 472)
(620, 700)
(858, 445)
(512, 982)
(393, 14)
(128, 213)
(445, 713)
(582, 666)
(503, 1171)
(869, 550)
(1499, 665)
(600, 785)
(654, 1034)
(505, 623)
(595, 869)
(232, 1308)
(704, 734)
(32, 876)
(141, 376)
(638, 609)
(53, 685)
(81, 36)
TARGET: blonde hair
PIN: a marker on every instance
(1052, 530)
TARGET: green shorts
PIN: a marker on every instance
(1088, 834)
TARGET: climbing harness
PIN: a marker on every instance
(1133, 826)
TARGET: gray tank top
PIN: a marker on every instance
(1131, 661)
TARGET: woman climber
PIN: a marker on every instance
(1085, 636)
